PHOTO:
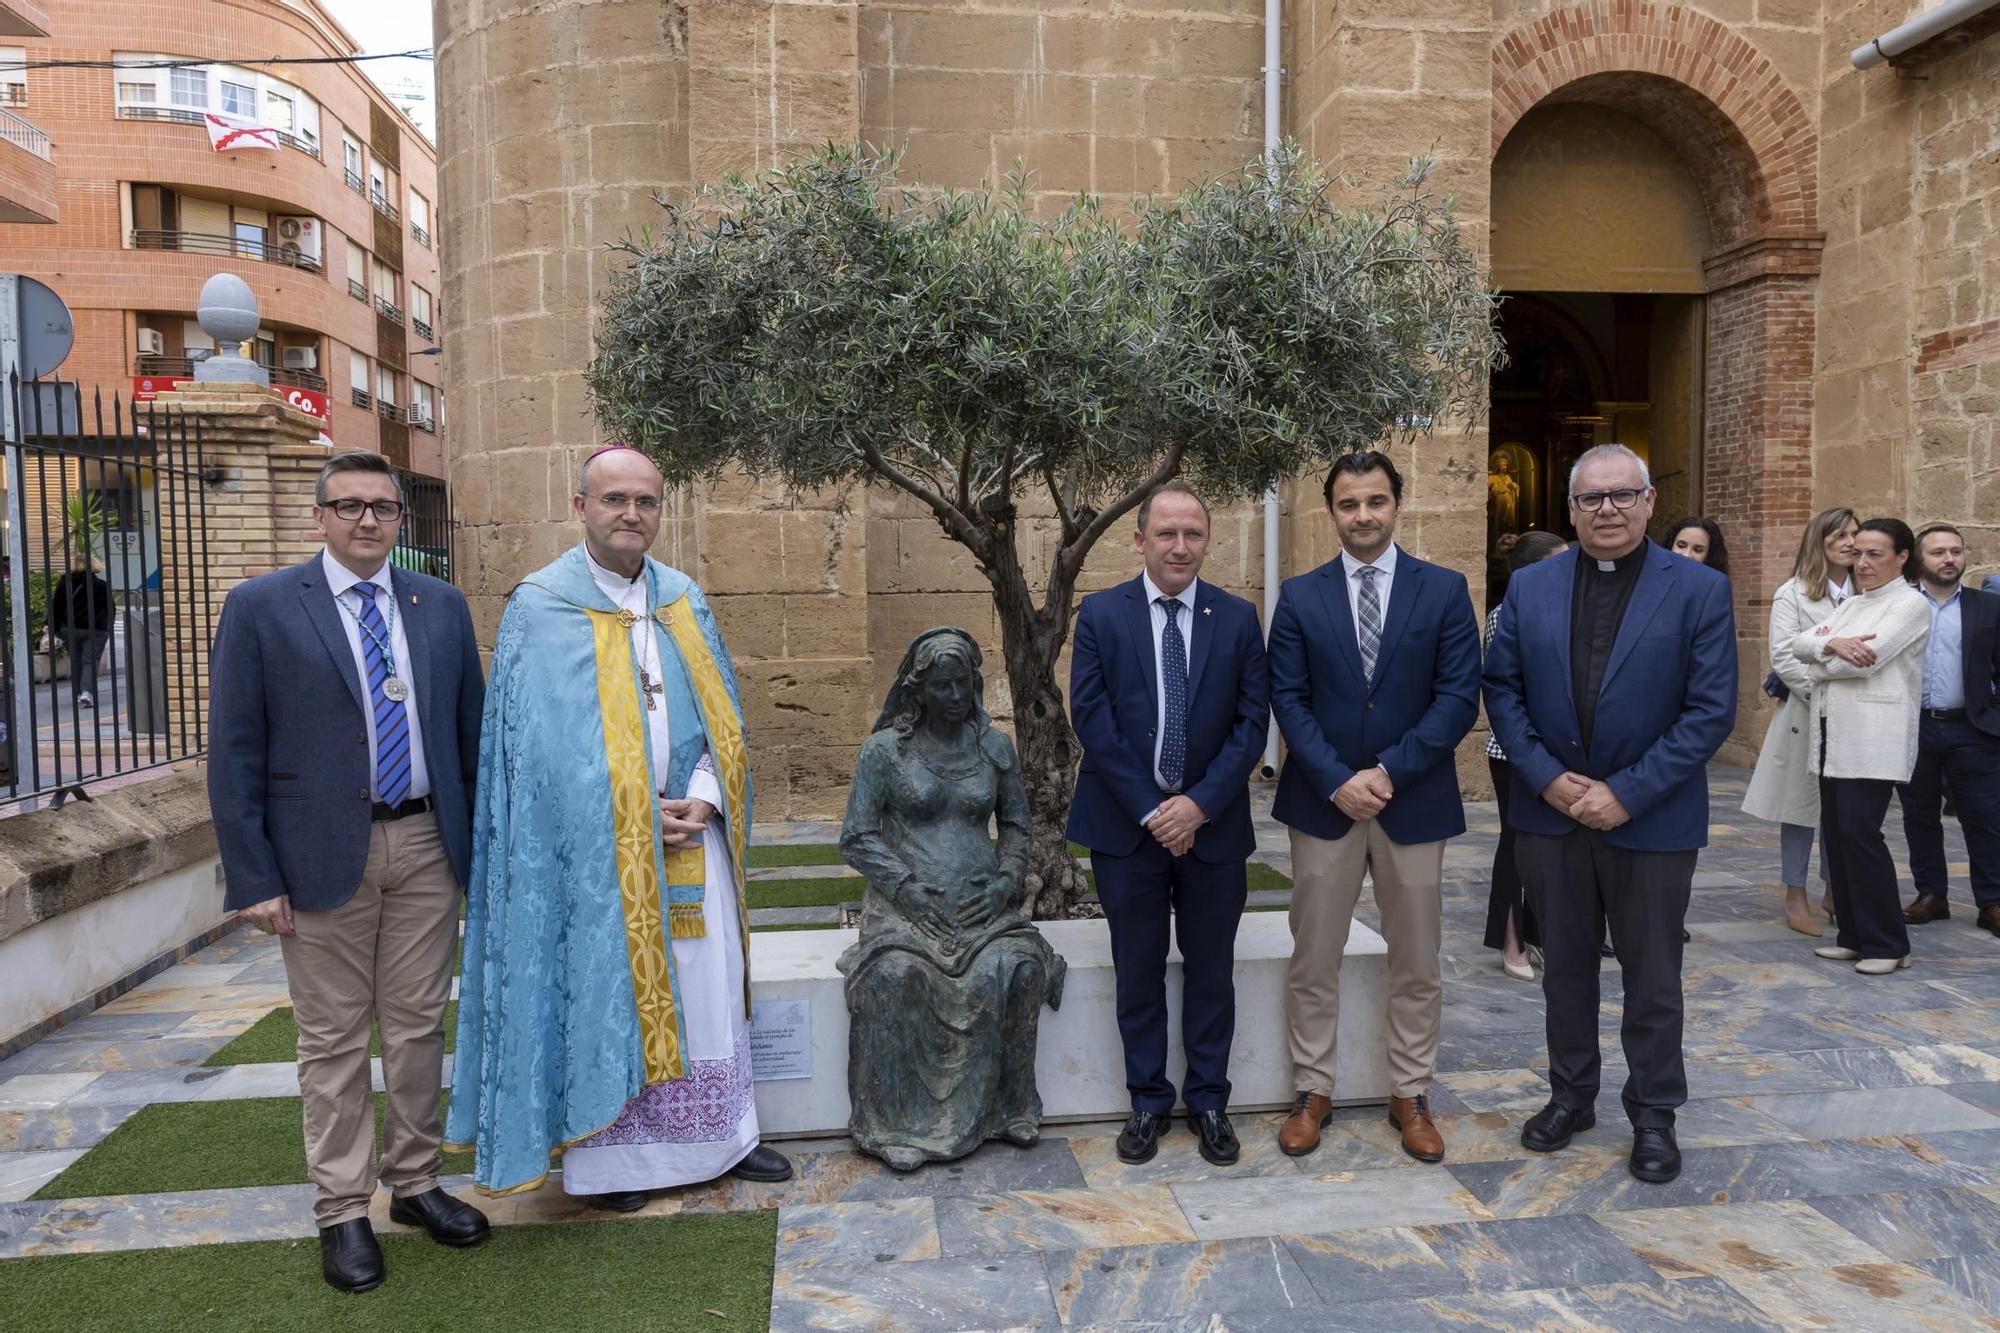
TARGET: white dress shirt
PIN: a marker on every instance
(341, 581)
(1385, 575)
(630, 594)
(1158, 615)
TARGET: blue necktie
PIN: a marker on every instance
(1174, 688)
(392, 726)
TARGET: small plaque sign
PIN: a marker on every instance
(780, 1039)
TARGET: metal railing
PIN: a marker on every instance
(387, 410)
(423, 237)
(361, 397)
(13, 94)
(425, 541)
(423, 329)
(24, 134)
(424, 422)
(384, 207)
(356, 290)
(231, 247)
(182, 368)
(127, 490)
(389, 309)
(180, 115)
(353, 181)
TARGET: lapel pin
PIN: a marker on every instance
(1208, 610)
(413, 599)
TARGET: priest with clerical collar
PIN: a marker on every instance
(604, 1011)
(1611, 682)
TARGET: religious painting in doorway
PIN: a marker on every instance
(1513, 489)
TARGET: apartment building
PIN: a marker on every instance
(157, 116)
(27, 169)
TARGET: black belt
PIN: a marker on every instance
(1946, 714)
(415, 806)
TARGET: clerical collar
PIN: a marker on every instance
(611, 578)
(1623, 562)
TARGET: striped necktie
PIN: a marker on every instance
(392, 726)
(1174, 689)
(1371, 622)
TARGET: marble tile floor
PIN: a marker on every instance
(1842, 1152)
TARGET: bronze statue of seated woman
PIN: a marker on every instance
(946, 984)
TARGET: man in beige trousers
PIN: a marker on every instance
(1374, 680)
(344, 710)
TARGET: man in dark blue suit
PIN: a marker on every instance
(1611, 682)
(1958, 735)
(1169, 695)
(1375, 680)
(344, 710)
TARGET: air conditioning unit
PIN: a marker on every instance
(302, 238)
(301, 358)
(151, 343)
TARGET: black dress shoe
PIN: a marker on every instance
(766, 1166)
(350, 1258)
(1656, 1158)
(448, 1221)
(1217, 1140)
(1551, 1128)
(624, 1201)
(1140, 1138)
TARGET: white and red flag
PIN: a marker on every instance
(227, 136)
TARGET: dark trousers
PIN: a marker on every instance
(84, 648)
(1142, 894)
(1576, 883)
(1506, 894)
(1952, 750)
(1851, 811)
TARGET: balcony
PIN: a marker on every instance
(383, 206)
(27, 174)
(226, 247)
(389, 309)
(423, 237)
(427, 424)
(13, 94)
(180, 115)
(423, 329)
(357, 291)
(182, 368)
(353, 182)
(360, 396)
(387, 410)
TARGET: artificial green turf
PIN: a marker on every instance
(766, 856)
(828, 891)
(708, 1272)
(202, 1146)
(274, 1038)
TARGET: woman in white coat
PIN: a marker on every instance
(1784, 788)
(1867, 660)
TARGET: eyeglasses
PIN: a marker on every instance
(1589, 502)
(645, 504)
(385, 511)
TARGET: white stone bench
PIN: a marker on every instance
(1079, 1067)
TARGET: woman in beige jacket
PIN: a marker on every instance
(1867, 662)
(1784, 788)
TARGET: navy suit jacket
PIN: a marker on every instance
(288, 779)
(1979, 630)
(1666, 705)
(1423, 701)
(1114, 705)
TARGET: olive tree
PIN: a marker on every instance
(827, 323)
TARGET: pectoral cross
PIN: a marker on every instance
(653, 688)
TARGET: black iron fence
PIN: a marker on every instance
(426, 540)
(104, 599)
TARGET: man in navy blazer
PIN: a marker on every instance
(1375, 680)
(344, 709)
(1169, 695)
(1611, 682)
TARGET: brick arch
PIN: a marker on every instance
(1756, 152)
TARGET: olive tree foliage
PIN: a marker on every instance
(827, 323)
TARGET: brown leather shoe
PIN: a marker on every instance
(1989, 918)
(1421, 1139)
(1925, 908)
(1299, 1134)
